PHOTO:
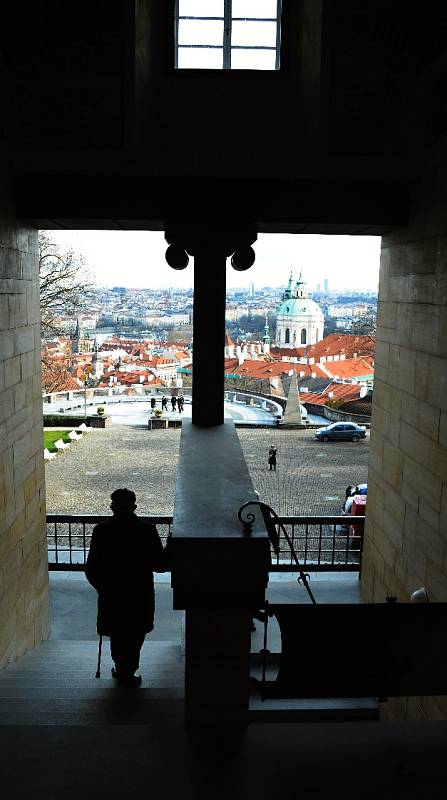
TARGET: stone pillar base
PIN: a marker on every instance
(217, 668)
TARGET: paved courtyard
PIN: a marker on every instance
(311, 476)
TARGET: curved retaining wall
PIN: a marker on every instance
(334, 415)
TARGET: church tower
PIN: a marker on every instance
(80, 341)
(96, 362)
(266, 337)
(300, 320)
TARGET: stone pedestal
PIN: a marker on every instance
(217, 667)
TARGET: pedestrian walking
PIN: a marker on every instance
(164, 403)
(173, 401)
(124, 553)
(153, 401)
(272, 458)
(180, 403)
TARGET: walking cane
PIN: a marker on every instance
(98, 670)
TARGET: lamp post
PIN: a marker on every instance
(86, 377)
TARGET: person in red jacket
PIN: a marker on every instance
(124, 553)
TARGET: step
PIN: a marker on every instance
(313, 709)
(69, 691)
(80, 660)
(91, 713)
(150, 678)
(327, 709)
(81, 648)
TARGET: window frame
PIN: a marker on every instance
(227, 47)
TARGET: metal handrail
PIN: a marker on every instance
(69, 540)
(322, 543)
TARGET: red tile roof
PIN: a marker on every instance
(335, 391)
(345, 344)
(253, 368)
(349, 368)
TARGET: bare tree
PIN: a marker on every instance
(56, 375)
(65, 284)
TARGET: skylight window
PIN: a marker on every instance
(227, 34)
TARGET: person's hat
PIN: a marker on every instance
(123, 496)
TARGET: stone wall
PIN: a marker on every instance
(23, 554)
(406, 533)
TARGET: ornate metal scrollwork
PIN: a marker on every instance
(247, 523)
(272, 524)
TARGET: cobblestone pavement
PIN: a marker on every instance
(311, 476)
(80, 480)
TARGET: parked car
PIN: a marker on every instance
(341, 430)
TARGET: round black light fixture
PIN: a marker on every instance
(177, 257)
(243, 258)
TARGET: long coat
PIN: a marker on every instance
(123, 555)
(272, 456)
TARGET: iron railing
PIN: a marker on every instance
(322, 544)
(69, 535)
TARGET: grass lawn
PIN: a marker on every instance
(50, 437)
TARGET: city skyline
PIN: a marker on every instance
(136, 259)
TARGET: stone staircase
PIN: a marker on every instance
(56, 685)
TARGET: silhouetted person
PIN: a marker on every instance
(272, 458)
(173, 402)
(153, 402)
(347, 503)
(180, 403)
(123, 554)
(164, 403)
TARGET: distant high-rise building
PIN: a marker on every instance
(326, 284)
(252, 290)
(318, 287)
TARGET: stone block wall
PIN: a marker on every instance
(406, 533)
(23, 553)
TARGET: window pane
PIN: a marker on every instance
(254, 8)
(201, 8)
(200, 32)
(200, 58)
(253, 59)
(254, 33)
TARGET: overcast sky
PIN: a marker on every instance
(137, 259)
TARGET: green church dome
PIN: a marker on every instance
(296, 306)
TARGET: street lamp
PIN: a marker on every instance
(86, 377)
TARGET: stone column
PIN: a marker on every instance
(23, 546)
(219, 574)
(211, 246)
(209, 338)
